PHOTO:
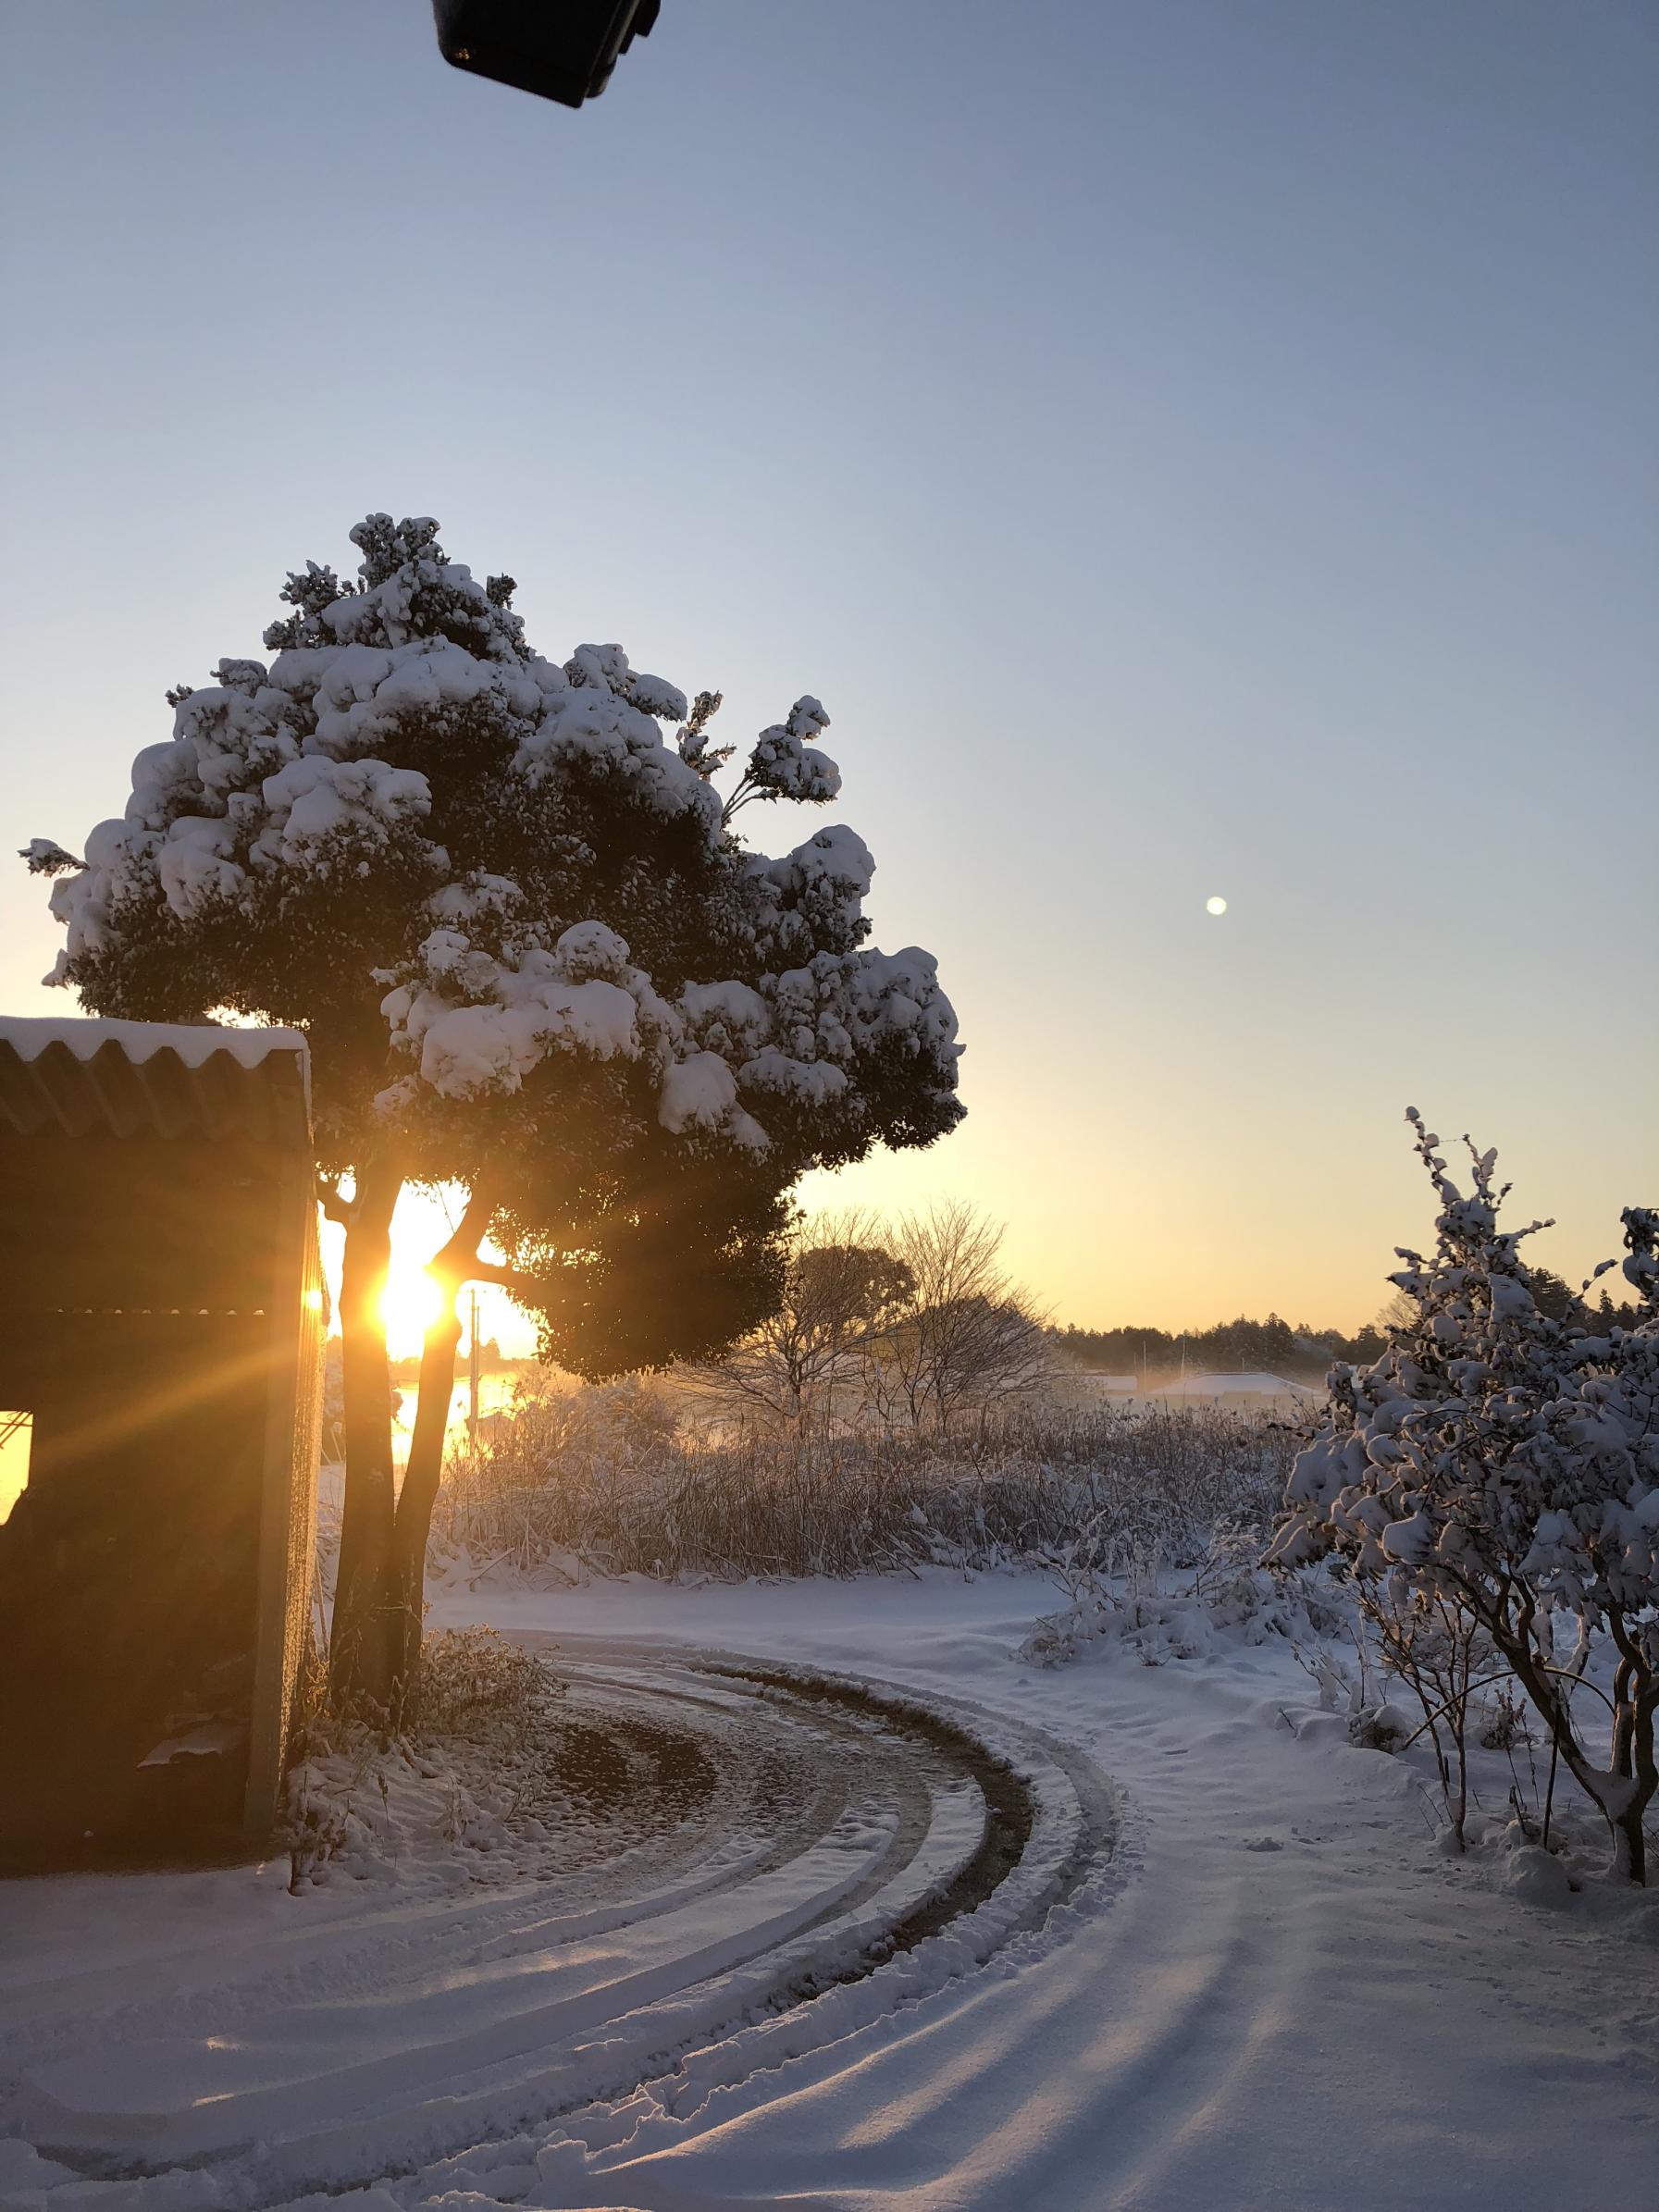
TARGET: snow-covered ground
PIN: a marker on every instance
(1263, 1985)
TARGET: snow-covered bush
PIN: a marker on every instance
(475, 1685)
(1135, 1603)
(1500, 1464)
(588, 1483)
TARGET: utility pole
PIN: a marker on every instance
(472, 1409)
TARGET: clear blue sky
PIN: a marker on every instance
(1190, 448)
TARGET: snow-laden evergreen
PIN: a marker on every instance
(469, 871)
(531, 956)
(528, 852)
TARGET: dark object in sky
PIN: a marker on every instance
(561, 50)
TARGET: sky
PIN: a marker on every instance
(1193, 451)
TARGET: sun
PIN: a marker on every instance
(1215, 906)
(411, 1301)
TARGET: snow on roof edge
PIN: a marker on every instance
(195, 1042)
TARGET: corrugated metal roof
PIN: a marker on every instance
(132, 1079)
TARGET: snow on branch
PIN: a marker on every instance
(406, 806)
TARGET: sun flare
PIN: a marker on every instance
(411, 1301)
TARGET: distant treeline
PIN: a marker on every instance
(1229, 1348)
(1274, 1346)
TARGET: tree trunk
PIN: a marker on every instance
(360, 1648)
(1632, 1756)
(1644, 1768)
(419, 1493)
(1636, 1699)
(1624, 1719)
(1631, 1845)
(407, 1559)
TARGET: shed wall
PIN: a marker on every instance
(161, 1316)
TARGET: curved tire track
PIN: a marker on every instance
(914, 1839)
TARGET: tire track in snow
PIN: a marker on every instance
(929, 1845)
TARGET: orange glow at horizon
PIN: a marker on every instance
(1162, 1221)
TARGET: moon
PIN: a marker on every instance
(1215, 906)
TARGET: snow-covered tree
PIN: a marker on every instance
(532, 959)
(1506, 1458)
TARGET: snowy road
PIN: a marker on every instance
(1247, 1981)
(738, 1842)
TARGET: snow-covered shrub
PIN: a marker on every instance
(1499, 1466)
(474, 1684)
(560, 1489)
(1223, 1598)
(1348, 1685)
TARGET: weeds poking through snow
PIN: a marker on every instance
(591, 1484)
(458, 1791)
(1222, 1596)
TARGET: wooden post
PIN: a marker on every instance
(287, 1489)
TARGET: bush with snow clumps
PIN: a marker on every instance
(1502, 1466)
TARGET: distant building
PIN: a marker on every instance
(161, 1317)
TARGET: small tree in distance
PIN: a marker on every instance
(909, 1325)
(532, 959)
(964, 1340)
(805, 1362)
(1500, 1463)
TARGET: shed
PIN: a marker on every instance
(161, 1320)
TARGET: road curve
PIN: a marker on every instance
(755, 1857)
